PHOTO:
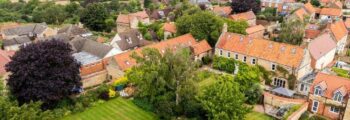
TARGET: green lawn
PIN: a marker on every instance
(116, 109)
(257, 116)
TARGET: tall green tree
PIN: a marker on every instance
(94, 16)
(292, 32)
(224, 100)
(165, 81)
(49, 13)
(315, 3)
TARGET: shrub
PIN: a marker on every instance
(207, 60)
(112, 93)
(120, 81)
(224, 64)
(143, 104)
(104, 96)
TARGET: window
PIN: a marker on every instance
(273, 67)
(338, 97)
(318, 91)
(220, 52)
(279, 82)
(335, 109)
(314, 106)
(236, 56)
(228, 54)
(253, 61)
(302, 87)
(244, 58)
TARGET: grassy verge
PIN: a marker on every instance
(257, 116)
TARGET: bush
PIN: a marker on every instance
(104, 95)
(224, 64)
(206, 60)
(143, 104)
(112, 93)
(120, 81)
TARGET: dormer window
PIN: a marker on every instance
(338, 97)
(129, 40)
(318, 91)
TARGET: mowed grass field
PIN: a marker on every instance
(116, 109)
(257, 116)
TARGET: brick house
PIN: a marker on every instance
(329, 97)
(122, 62)
(130, 21)
(266, 53)
(322, 50)
(246, 16)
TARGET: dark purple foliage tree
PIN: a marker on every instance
(239, 6)
(45, 71)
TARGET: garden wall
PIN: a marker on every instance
(277, 101)
(296, 115)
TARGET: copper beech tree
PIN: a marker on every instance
(44, 71)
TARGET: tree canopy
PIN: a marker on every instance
(239, 6)
(224, 100)
(165, 81)
(94, 16)
(205, 25)
(292, 32)
(44, 71)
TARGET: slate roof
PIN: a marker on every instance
(73, 30)
(159, 14)
(81, 44)
(283, 91)
(130, 39)
(25, 29)
(16, 41)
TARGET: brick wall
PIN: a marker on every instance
(94, 79)
(296, 115)
(277, 101)
(92, 68)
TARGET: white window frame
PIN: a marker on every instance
(333, 109)
(313, 105)
(253, 59)
(318, 91)
(236, 56)
(273, 67)
(337, 99)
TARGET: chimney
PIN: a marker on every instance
(224, 28)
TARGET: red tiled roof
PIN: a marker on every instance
(201, 47)
(4, 59)
(281, 53)
(123, 19)
(332, 84)
(339, 30)
(124, 60)
(243, 16)
(225, 9)
(170, 27)
(301, 13)
(254, 29)
(308, 6)
(310, 33)
(331, 12)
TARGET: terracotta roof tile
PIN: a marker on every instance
(124, 61)
(331, 12)
(310, 33)
(308, 6)
(243, 16)
(123, 19)
(225, 9)
(333, 83)
(170, 27)
(281, 53)
(254, 29)
(301, 13)
(126, 18)
(201, 47)
(339, 30)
